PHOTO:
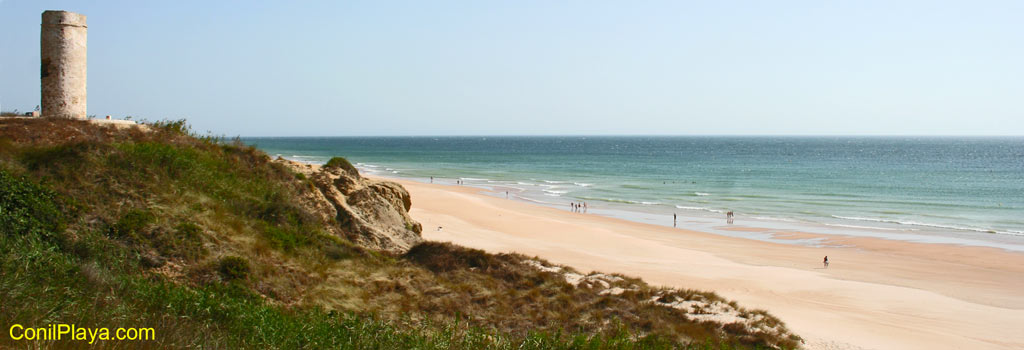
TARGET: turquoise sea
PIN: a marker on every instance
(940, 189)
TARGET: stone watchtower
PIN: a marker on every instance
(62, 46)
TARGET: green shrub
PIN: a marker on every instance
(27, 208)
(278, 210)
(444, 257)
(132, 224)
(233, 268)
(185, 242)
(343, 164)
(188, 230)
(283, 238)
(179, 126)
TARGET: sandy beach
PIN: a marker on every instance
(876, 294)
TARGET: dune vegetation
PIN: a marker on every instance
(215, 245)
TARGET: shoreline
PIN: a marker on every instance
(877, 293)
(714, 222)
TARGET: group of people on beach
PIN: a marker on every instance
(578, 207)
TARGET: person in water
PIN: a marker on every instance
(826, 261)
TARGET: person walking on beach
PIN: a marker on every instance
(673, 219)
(826, 261)
(506, 194)
(431, 179)
(584, 207)
(573, 206)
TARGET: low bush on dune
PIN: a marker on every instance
(341, 163)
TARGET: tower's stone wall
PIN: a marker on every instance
(62, 44)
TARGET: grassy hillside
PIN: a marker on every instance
(211, 243)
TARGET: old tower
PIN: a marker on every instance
(62, 45)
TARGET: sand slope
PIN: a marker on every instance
(877, 294)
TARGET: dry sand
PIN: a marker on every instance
(877, 294)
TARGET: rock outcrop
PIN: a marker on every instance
(371, 213)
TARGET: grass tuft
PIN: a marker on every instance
(233, 268)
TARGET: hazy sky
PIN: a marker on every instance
(262, 68)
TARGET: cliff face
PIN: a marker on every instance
(371, 213)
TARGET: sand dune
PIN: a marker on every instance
(877, 294)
